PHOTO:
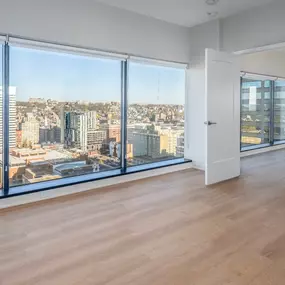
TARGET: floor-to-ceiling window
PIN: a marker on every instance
(262, 111)
(155, 126)
(64, 115)
(255, 112)
(79, 115)
(279, 110)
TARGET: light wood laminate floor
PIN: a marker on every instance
(166, 230)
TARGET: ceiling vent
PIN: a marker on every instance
(211, 2)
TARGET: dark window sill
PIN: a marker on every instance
(249, 148)
(261, 146)
(279, 142)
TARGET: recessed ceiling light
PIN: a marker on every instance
(212, 14)
(212, 2)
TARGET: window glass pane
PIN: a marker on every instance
(279, 110)
(251, 83)
(1, 119)
(255, 112)
(155, 129)
(267, 83)
(64, 115)
(280, 83)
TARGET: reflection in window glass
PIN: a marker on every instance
(255, 112)
(155, 127)
(64, 115)
(279, 110)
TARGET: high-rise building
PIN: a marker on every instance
(157, 145)
(149, 145)
(62, 124)
(92, 120)
(30, 130)
(114, 133)
(43, 135)
(55, 134)
(97, 140)
(115, 150)
(81, 132)
(12, 117)
(173, 135)
(69, 129)
(76, 130)
(52, 135)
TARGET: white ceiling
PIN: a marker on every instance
(184, 12)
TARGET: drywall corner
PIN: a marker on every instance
(195, 110)
(204, 36)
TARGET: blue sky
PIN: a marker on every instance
(66, 77)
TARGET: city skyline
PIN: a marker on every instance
(52, 143)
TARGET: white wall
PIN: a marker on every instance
(267, 63)
(195, 114)
(249, 29)
(203, 36)
(89, 24)
(254, 28)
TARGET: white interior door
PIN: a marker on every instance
(222, 122)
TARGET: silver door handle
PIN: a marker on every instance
(209, 123)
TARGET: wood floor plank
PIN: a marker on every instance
(166, 230)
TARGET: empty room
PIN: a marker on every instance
(142, 142)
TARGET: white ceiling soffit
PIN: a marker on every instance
(14, 41)
(253, 76)
(158, 62)
(280, 47)
(185, 12)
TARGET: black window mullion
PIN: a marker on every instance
(124, 114)
(271, 129)
(5, 96)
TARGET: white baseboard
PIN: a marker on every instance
(262, 150)
(67, 190)
(198, 165)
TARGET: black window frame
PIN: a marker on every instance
(8, 191)
(272, 91)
